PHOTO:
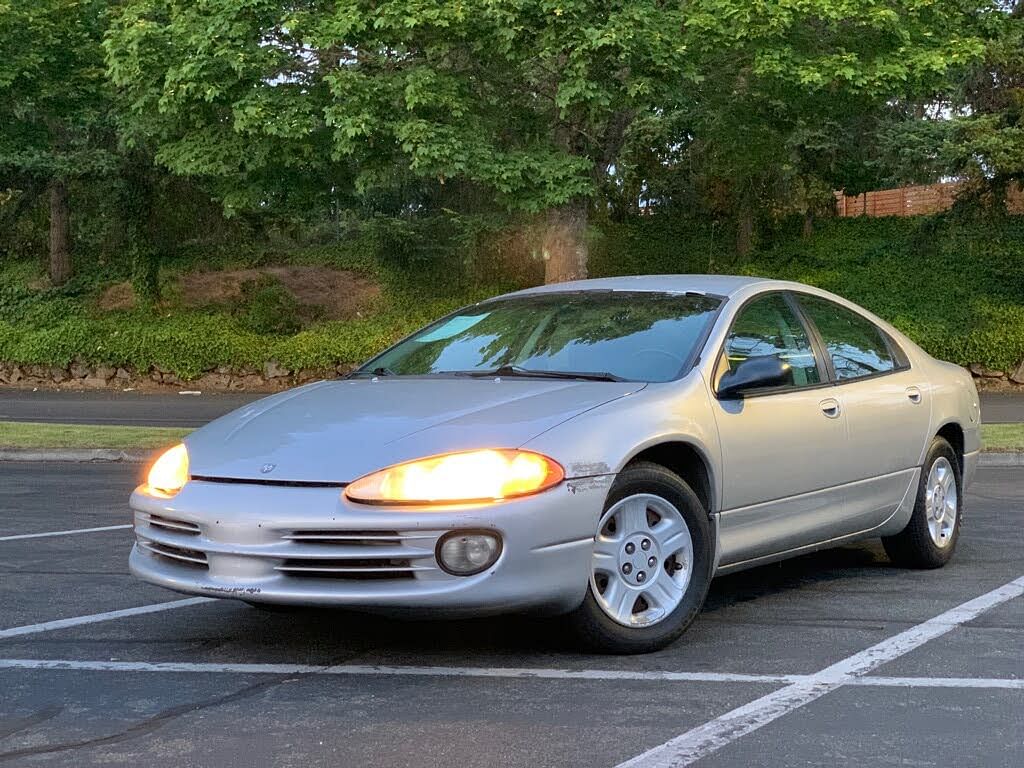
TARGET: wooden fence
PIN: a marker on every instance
(913, 201)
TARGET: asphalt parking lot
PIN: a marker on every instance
(831, 659)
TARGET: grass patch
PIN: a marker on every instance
(1002, 437)
(15, 434)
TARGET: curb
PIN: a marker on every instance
(79, 455)
(85, 455)
(1001, 459)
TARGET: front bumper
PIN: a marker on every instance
(311, 546)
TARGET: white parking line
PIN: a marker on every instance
(411, 671)
(64, 533)
(93, 618)
(90, 665)
(940, 682)
(701, 741)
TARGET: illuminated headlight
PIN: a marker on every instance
(169, 473)
(454, 478)
(464, 553)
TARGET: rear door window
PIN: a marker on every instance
(856, 346)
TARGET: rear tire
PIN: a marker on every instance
(652, 565)
(930, 537)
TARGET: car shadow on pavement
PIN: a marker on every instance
(348, 636)
(352, 634)
(817, 568)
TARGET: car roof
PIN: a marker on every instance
(717, 285)
(726, 286)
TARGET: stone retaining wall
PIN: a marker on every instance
(1016, 376)
(79, 375)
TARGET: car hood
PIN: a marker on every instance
(337, 431)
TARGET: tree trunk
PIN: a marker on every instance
(60, 233)
(745, 226)
(808, 229)
(136, 207)
(565, 244)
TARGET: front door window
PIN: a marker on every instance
(768, 326)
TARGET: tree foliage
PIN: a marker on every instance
(55, 103)
(988, 140)
(532, 100)
(55, 106)
(552, 112)
(792, 95)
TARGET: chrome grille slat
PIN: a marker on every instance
(174, 553)
(341, 536)
(358, 555)
(286, 550)
(365, 569)
(309, 553)
(159, 521)
(349, 569)
(347, 552)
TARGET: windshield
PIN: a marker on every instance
(632, 335)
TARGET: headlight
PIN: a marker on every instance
(169, 473)
(487, 475)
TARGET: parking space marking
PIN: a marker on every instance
(705, 739)
(90, 665)
(93, 618)
(940, 682)
(401, 671)
(64, 533)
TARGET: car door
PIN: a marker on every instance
(887, 407)
(783, 449)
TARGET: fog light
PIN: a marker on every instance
(463, 553)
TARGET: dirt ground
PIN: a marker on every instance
(337, 293)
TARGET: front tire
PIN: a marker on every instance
(930, 537)
(652, 564)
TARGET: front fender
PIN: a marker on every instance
(603, 440)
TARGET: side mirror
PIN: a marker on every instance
(762, 372)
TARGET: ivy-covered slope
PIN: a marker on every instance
(956, 287)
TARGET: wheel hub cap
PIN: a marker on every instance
(638, 557)
(643, 555)
(941, 502)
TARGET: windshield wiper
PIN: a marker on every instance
(518, 370)
(375, 372)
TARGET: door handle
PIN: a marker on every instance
(830, 407)
(914, 394)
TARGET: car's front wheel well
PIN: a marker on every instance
(687, 462)
(954, 435)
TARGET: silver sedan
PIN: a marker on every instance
(600, 449)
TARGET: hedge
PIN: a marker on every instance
(954, 286)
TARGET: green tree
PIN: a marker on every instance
(529, 99)
(986, 141)
(227, 93)
(795, 93)
(971, 126)
(533, 100)
(55, 107)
